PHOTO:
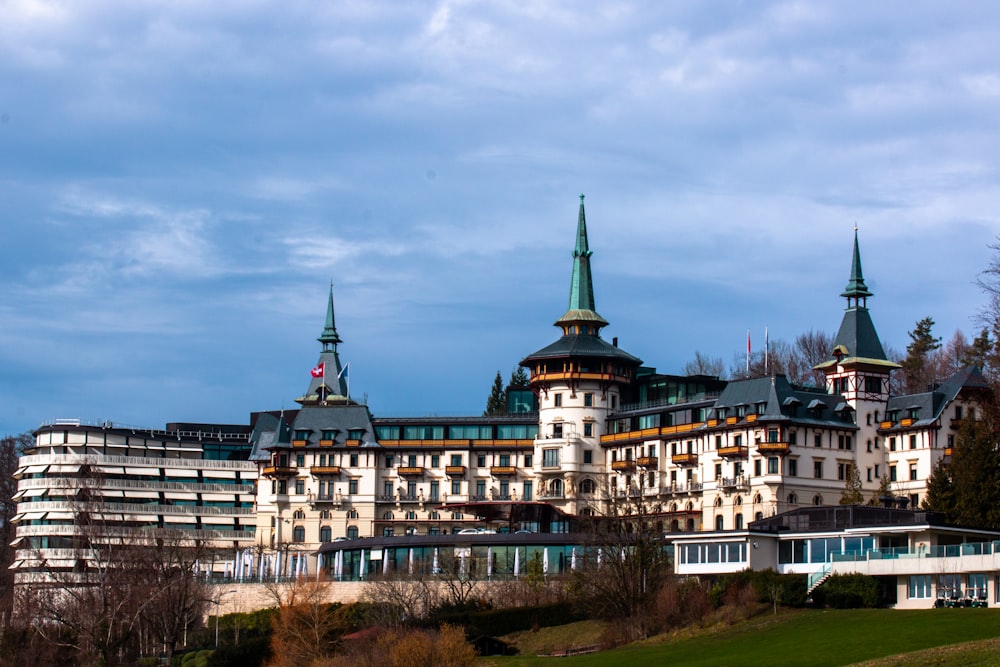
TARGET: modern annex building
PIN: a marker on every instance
(595, 432)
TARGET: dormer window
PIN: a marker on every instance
(302, 434)
(761, 407)
(356, 433)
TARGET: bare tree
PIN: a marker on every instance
(703, 364)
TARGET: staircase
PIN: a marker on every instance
(816, 579)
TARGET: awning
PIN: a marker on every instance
(34, 516)
(34, 470)
(180, 472)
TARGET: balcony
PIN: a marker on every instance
(326, 443)
(647, 462)
(681, 488)
(503, 470)
(623, 465)
(410, 471)
(299, 443)
(685, 458)
(280, 471)
(326, 498)
(325, 470)
(733, 452)
(454, 470)
(779, 448)
(734, 483)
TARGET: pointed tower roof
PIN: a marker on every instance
(329, 335)
(581, 288)
(856, 284)
(581, 325)
(330, 384)
(857, 341)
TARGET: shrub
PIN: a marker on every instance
(848, 591)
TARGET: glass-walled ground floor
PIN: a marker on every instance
(488, 556)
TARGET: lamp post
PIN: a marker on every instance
(218, 601)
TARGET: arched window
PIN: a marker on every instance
(352, 514)
(298, 514)
(674, 526)
(298, 534)
(758, 516)
(325, 534)
(387, 515)
(817, 500)
(738, 502)
(756, 499)
(435, 515)
(411, 515)
(718, 502)
(352, 532)
(792, 499)
(588, 486)
(690, 525)
(457, 516)
(690, 506)
(387, 531)
(556, 488)
(718, 522)
(673, 507)
(324, 514)
(739, 521)
(586, 511)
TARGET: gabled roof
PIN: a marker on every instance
(777, 392)
(929, 405)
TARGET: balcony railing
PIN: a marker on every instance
(279, 471)
(454, 470)
(647, 461)
(410, 470)
(623, 465)
(684, 458)
(733, 451)
(773, 447)
(325, 470)
(503, 470)
(734, 482)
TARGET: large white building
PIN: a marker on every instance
(594, 432)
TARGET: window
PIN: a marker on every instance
(588, 400)
(793, 437)
(354, 459)
(435, 491)
(913, 442)
(920, 586)
(873, 385)
(958, 412)
(588, 430)
(718, 522)
(588, 456)
(456, 486)
(300, 460)
(299, 534)
(913, 472)
(528, 460)
(352, 486)
(842, 471)
(739, 522)
(892, 444)
(481, 460)
(387, 489)
(300, 486)
(481, 488)
(504, 489)
(435, 460)
(772, 435)
(526, 494)
(557, 400)
(550, 458)
(818, 469)
(588, 486)
(505, 460)
(892, 473)
(557, 430)
(718, 471)
(298, 514)
(325, 534)
(756, 467)
(389, 460)
(737, 440)
(456, 460)
(793, 468)
(352, 532)
(718, 442)
(282, 486)
(352, 514)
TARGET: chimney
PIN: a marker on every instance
(614, 341)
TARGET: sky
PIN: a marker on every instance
(181, 181)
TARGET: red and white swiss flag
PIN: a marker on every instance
(319, 371)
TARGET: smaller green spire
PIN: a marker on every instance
(329, 335)
(581, 315)
(856, 288)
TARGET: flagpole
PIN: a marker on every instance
(748, 353)
(767, 350)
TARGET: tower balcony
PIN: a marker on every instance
(647, 462)
(734, 483)
(623, 466)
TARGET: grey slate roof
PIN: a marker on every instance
(776, 391)
(930, 404)
(582, 345)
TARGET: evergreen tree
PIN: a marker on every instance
(518, 378)
(918, 366)
(940, 491)
(852, 493)
(496, 404)
(884, 490)
(967, 490)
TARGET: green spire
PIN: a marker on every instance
(856, 288)
(581, 289)
(329, 335)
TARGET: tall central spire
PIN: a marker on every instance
(581, 317)
(329, 336)
(856, 289)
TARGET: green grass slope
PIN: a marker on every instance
(817, 638)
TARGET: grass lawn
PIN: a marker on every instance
(816, 638)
